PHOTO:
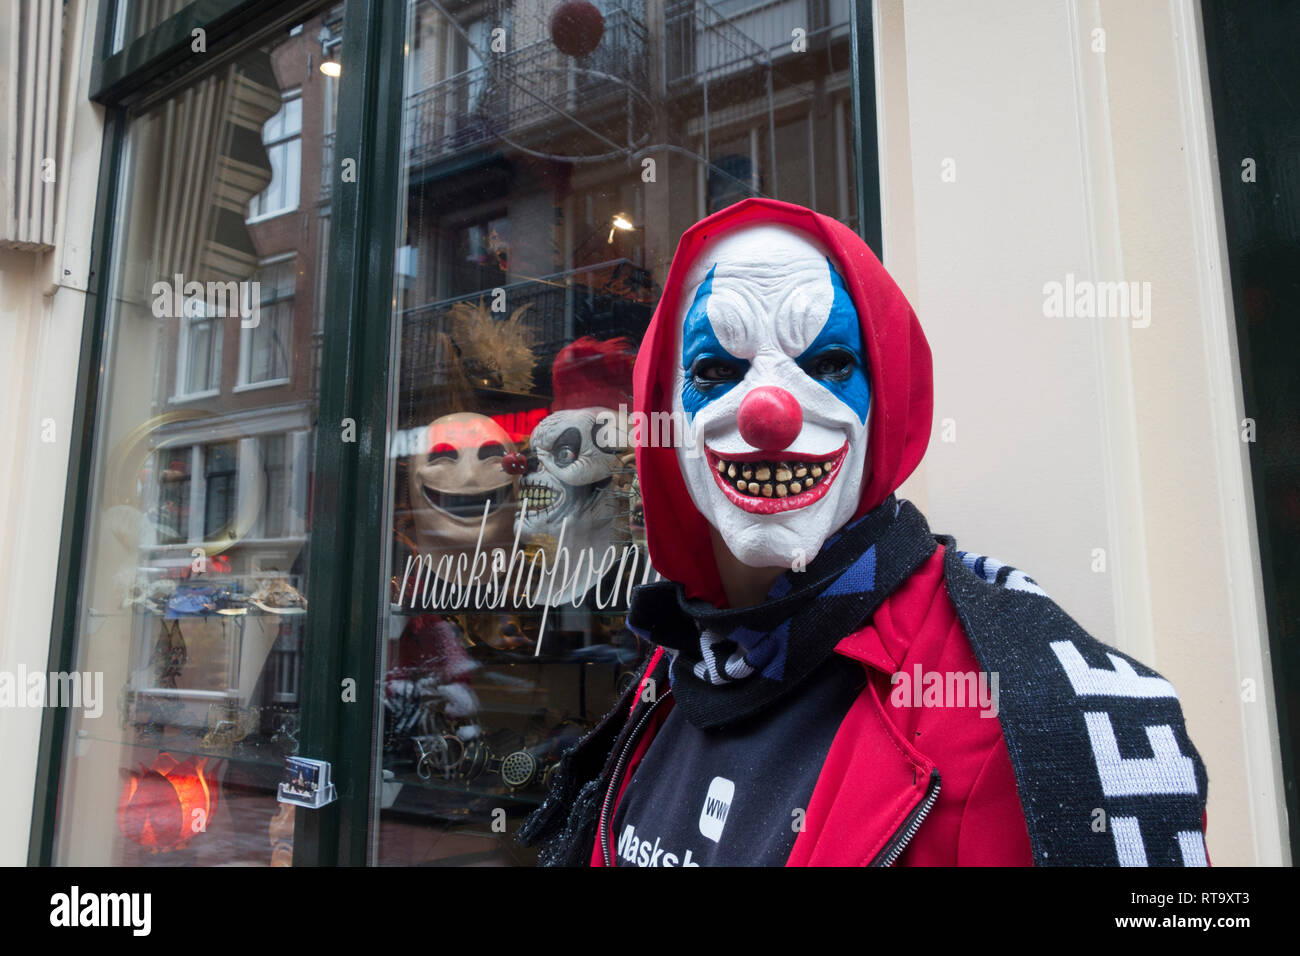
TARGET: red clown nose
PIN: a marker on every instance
(769, 418)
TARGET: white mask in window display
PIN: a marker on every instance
(576, 453)
(772, 381)
(452, 484)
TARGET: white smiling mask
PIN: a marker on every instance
(772, 379)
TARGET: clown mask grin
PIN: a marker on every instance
(467, 508)
(773, 383)
(763, 485)
(458, 488)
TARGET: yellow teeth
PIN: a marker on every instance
(773, 479)
(538, 497)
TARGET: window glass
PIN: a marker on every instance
(275, 478)
(192, 607)
(553, 154)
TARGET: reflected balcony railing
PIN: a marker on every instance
(532, 91)
(705, 42)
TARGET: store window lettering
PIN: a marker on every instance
(483, 582)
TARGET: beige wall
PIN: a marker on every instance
(1077, 434)
(42, 302)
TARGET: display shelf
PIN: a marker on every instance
(248, 612)
(192, 748)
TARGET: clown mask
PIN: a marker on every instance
(460, 476)
(773, 384)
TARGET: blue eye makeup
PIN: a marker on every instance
(710, 370)
(836, 359)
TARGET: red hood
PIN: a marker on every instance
(900, 374)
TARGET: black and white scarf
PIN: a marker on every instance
(729, 663)
(1106, 772)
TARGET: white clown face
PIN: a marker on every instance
(773, 381)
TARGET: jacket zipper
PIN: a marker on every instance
(895, 847)
(618, 773)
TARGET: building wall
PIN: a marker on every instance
(42, 303)
(1100, 455)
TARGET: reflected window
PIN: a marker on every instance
(172, 517)
(265, 347)
(275, 485)
(198, 370)
(282, 136)
(220, 487)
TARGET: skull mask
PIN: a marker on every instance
(773, 383)
(456, 479)
(571, 481)
(572, 485)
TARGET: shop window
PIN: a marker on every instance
(192, 604)
(542, 190)
(282, 136)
